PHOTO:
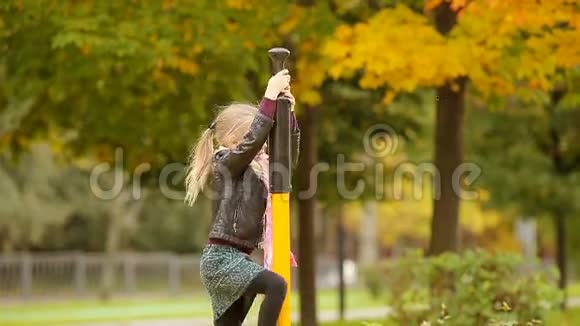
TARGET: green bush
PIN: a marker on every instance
(471, 288)
(373, 279)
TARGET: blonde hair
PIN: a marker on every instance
(227, 130)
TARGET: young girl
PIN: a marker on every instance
(237, 172)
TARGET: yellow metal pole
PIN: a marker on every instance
(280, 187)
(281, 250)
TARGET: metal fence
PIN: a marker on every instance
(52, 275)
(80, 274)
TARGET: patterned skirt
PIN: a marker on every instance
(226, 273)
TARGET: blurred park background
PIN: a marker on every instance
(438, 182)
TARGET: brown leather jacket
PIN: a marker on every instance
(239, 195)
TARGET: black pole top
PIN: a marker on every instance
(279, 142)
(278, 57)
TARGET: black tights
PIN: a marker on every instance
(273, 286)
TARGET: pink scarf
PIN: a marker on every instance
(262, 160)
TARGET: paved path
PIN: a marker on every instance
(358, 314)
(371, 313)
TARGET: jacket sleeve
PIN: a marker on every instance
(237, 159)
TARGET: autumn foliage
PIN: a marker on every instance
(499, 45)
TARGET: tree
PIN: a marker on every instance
(500, 48)
(448, 147)
(30, 205)
(539, 169)
(143, 76)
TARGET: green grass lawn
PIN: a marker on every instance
(574, 290)
(194, 306)
(90, 311)
(569, 318)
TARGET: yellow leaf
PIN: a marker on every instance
(85, 49)
(431, 4)
(249, 45)
(197, 49)
(232, 26)
(239, 4)
(187, 35)
(168, 4)
(183, 65)
(295, 15)
(389, 97)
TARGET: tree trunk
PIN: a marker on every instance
(561, 261)
(369, 249)
(111, 251)
(448, 149)
(122, 217)
(340, 236)
(307, 206)
(327, 239)
(6, 242)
